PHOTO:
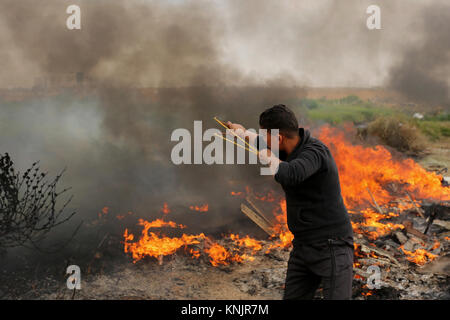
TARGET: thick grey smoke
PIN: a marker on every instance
(183, 42)
(115, 141)
(229, 59)
(423, 72)
(143, 43)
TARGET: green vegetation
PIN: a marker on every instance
(348, 109)
(435, 126)
(438, 117)
(352, 109)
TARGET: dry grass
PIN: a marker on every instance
(398, 133)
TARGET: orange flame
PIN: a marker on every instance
(219, 255)
(372, 220)
(247, 242)
(362, 168)
(195, 253)
(150, 244)
(103, 213)
(280, 228)
(165, 209)
(202, 208)
(419, 256)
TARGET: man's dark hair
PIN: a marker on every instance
(280, 117)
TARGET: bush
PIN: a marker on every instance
(309, 103)
(438, 117)
(28, 204)
(350, 100)
(398, 133)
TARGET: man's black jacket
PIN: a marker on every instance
(309, 177)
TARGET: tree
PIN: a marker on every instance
(28, 204)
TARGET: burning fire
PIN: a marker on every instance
(247, 242)
(369, 176)
(219, 255)
(153, 245)
(165, 209)
(372, 222)
(420, 256)
(103, 213)
(281, 232)
(375, 169)
(280, 228)
(202, 208)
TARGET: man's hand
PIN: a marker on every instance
(236, 128)
(267, 157)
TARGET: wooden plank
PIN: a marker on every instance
(256, 219)
(380, 252)
(410, 229)
(415, 206)
(250, 199)
(442, 223)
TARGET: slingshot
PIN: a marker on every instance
(248, 148)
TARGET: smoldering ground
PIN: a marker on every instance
(228, 59)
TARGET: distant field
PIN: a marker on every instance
(347, 109)
(372, 94)
(435, 125)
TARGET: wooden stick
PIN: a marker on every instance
(256, 219)
(249, 199)
(374, 201)
(379, 251)
(417, 209)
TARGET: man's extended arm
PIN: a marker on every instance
(299, 169)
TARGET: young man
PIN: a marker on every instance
(316, 214)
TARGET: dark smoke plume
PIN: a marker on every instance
(200, 59)
(423, 72)
(116, 142)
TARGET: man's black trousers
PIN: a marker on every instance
(329, 263)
